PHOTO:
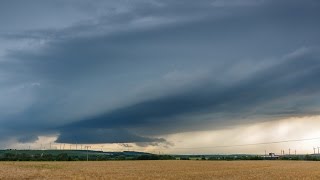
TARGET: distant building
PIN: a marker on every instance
(271, 156)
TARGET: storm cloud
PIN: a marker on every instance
(133, 72)
(286, 89)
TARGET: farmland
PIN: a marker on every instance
(172, 169)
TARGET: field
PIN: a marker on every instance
(173, 169)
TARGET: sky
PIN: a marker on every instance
(163, 76)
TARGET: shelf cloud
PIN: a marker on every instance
(135, 72)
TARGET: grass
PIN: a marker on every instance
(173, 169)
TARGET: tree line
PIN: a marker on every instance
(67, 157)
(11, 156)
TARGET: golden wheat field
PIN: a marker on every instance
(161, 170)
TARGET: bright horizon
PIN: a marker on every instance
(207, 142)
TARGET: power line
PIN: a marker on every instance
(229, 146)
(252, 144)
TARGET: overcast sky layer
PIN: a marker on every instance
(142, 71)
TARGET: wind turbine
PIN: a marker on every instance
(76, 142)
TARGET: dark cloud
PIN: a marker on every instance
(163, 143)
(275, 92)
(125, 145)
(89, 79)
(101, 135)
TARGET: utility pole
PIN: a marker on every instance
(289, 151)
(87, 147)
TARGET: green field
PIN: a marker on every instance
(75, 155)
(83, 155)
